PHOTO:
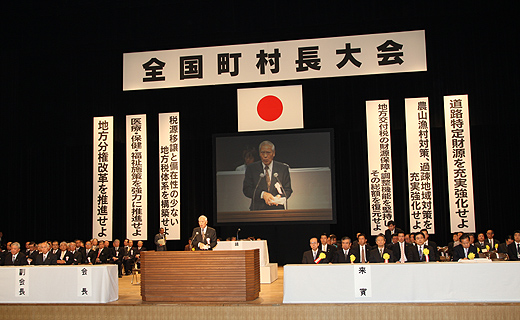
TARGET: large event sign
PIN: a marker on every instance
(420, 188)
(276, 61)
(103, 147)
(136, 177)
(379, 165)
(169, 175)
(458, 154)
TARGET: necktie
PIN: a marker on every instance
(402, 252)
(518, 249)
(363, 254)
(14, 258)
(381, 252)
(267, 177)
(314, 254)
(420, 253)
(44, 257)
(346, 254)
(465, 252)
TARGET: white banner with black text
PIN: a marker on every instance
(136, 177)
(420, 190)
(103, 146)
(169, 175)
(379, 165)
(458, 155)
(276, 61)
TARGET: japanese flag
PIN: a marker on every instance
(271, 108)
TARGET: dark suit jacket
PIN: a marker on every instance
(68, 257)
(117, 253)
(252, 179)
(416, 256)
(32, 255)
(396, 250)
(92, 254)
(458, 252)
(21, 259)
(512, 252)
(435, 251)
(331, 250)
(357, 253)
(375, 256)
(339, 256)
(51, 260)
(492, 246)
(502, 248)
(308, 258)
(211, 234)
(388, 235)
(104, 256)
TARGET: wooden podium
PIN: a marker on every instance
(200, 276)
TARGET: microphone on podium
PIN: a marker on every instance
(254, 191)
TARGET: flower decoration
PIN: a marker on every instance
(471, 256)
(386, 256)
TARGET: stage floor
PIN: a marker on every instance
(268, 306)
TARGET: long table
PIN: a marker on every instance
(403, 283)
(59, 284)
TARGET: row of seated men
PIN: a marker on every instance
(403, 248)
(74, 253)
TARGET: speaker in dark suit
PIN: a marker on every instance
(203, 237)
(378, 252)
(90, 256)
(266, 179)
(418, 252)
(361, 249)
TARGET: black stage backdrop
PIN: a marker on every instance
(61, 65)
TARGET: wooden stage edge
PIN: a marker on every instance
(268, 306)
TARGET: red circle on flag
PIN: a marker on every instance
(269, 108)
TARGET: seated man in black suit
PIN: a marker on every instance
(90, 254)
(362, 249)
(502, 247)
(419, 254)
(315, 255)
(76, 254)
(491, 241)
(513, 249)
(128, 257)
(429, 242)
(103, 254)
(15, 257)
(46, 257)
(326, 247)
(462, 252)
(391, 231)
(267, 181)
(33, 252)
(116, 256)
(140, 248)
(344, 254)
(380, 251)
(402, 250)
(64, 256)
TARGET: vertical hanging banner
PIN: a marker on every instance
(169, 174)
(458, 154)
(136, 177)
(103, 147)
(379, 165)
(420, 191)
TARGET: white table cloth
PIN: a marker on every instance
(59, 284)
(405, 283)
